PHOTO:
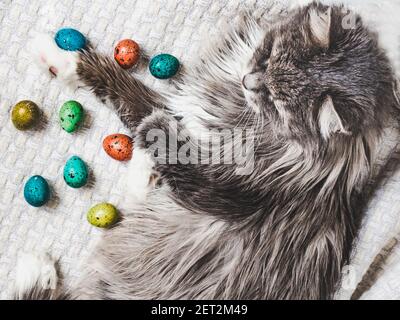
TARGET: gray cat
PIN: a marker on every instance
(315, 97)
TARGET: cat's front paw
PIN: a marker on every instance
(141, 177)
(35, 275)
(53, 60)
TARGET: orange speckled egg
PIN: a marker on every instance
(118, 146)
(127, 53)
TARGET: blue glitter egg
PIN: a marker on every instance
(164, 66)
(70, 39)
(75, 172)
(36, 191)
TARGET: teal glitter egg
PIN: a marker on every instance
(36, 191)
(75, 172)
(164, 66)
(70, 39)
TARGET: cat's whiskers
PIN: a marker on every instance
(259, 128)
(242, 115)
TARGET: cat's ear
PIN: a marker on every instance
(329, 120)
(320, 25)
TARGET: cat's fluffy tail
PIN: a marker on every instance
(37, 278)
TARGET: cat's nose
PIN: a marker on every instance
(252, 81)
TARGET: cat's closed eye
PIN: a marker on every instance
(276, 48)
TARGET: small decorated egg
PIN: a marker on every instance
(70, 39)
(118, 146)
(75, 172)
(36, 191)
(127, 53)
(24, 114)
(164, 66)
(71, 115)
(102, 215)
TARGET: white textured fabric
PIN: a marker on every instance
(179, 27)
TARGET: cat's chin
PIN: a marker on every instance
(252, 100)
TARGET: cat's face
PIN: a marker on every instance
(317, 79)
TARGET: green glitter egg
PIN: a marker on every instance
(102, 215)
(24, 114)
(75, 172)
(164, 66)
(71, 115)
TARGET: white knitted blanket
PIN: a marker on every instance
(179, 27)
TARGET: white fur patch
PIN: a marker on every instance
(139, 180)
(54, 60)
(35, 270)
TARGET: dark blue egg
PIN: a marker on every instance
(75, 172)
(164, 66)
(36, 191)
(70, 39)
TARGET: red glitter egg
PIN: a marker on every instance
(127, 53)
(118, 146)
